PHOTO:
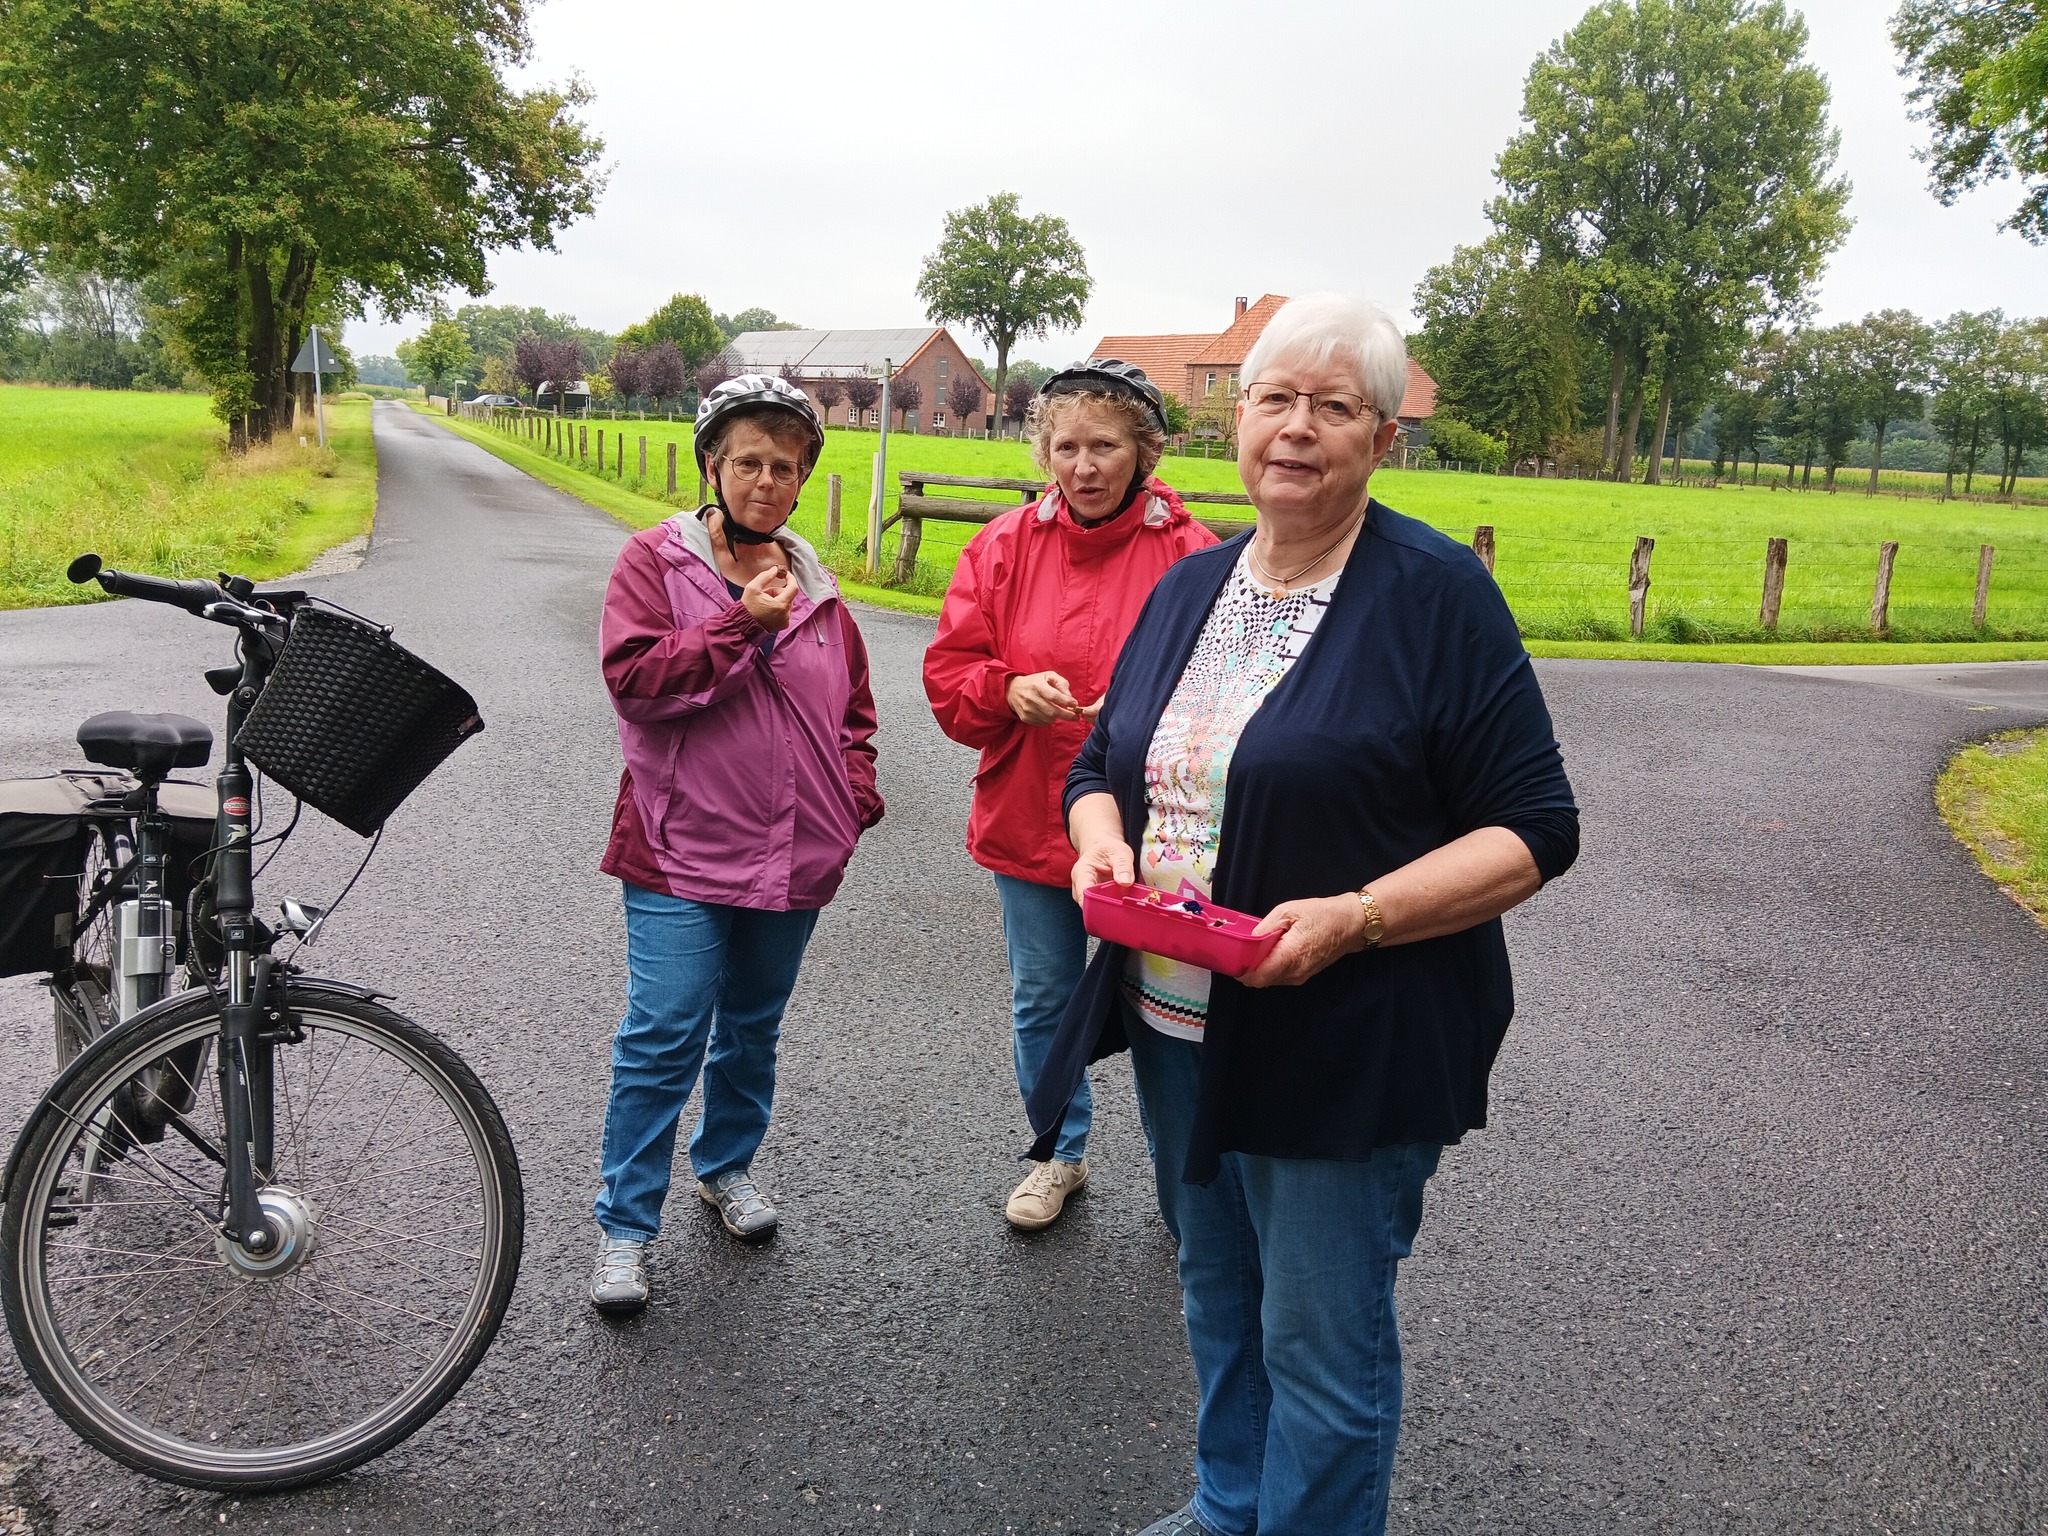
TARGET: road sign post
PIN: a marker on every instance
(316, 358)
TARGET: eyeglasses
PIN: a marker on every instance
(781, 471)
(1332, 407)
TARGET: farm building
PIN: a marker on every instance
(1189, 367)
(926, 354)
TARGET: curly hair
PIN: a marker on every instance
(1049, 412)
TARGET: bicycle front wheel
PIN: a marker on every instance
(395, 1191)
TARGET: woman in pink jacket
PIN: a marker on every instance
(1038, 608)
(747, 727)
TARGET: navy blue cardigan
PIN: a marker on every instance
(1412, 718)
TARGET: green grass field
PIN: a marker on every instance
(1563, 546)
(1994, 796)
(144, 480)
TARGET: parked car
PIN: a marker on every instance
(496, 400)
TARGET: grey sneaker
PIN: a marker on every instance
(619, 1287)
(1181, 1522)
(742, 1208)
(1038, 1201)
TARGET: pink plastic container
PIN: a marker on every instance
(1215, 938)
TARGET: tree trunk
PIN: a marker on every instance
(1877, 455)
(1616, 375)
(260, 348)
(1654, 473)
(1976, 450)
(1625, 445)
(1828, 484)
(1002, 384)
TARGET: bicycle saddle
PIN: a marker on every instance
(149, 746)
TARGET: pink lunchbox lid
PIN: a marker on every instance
(1181, 928)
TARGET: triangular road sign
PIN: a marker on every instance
(316, 356)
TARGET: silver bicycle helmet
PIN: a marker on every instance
(1110, 376)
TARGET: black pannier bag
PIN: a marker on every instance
(350, 721)
(44, 834)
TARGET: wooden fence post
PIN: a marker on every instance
(1639, 584)
(1881, 594)
(833, 491)
(671, 469)
(1482, 545)
(874, 539)
(643, 459)
(1983, 585)
(910, 534)
(1774, 583)
(582, 442)
(600, 450)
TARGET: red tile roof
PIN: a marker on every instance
(1230, 349)
(1164, 358)
(1418, 401)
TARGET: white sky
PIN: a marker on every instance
(801, 155)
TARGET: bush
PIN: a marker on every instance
(1454, 441)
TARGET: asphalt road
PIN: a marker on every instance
(1755, 1242)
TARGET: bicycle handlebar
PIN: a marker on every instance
(192, 596)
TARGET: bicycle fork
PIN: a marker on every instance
(244, 1057)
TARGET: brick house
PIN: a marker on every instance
(927, 353)
(1188, 367)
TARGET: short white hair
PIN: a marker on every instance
(1319, 327)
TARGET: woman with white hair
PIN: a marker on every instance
(1331, 722)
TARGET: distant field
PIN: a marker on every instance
(143, 479)
(1563, 546)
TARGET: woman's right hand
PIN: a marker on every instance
(768, 597)
(1097, 829)
(1040, 698)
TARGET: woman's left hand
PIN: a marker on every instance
(1313, 935)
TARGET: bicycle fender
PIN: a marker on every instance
(80, 1063)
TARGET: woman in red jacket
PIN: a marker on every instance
(1038, 608)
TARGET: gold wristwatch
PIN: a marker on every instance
(1375, 925)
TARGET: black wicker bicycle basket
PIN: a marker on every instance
(351, 722)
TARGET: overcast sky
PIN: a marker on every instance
(801, 155)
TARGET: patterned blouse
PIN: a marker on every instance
(1249, 641)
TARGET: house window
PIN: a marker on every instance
(938, 421)
(1211, 384)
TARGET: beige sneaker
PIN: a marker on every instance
(1038, 1201)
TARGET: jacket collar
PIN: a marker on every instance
(690, 531)
(1156, 507)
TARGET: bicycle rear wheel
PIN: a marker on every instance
(183, 1355)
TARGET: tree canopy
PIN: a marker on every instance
(1007, 276)
(1980, 73)
(439, 353)
(686, 323)
(268, 156)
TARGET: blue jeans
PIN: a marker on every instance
(697, 974)
(1287, 1279)
(1048, 951)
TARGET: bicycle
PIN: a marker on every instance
(261, 1229)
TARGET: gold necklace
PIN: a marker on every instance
(1279, 589)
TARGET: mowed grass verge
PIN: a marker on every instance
(1563, 547)
(144, 480)
(1994, 795)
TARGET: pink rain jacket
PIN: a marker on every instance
(748, 778)
(1036, 592)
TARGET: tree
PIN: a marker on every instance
(906, 395)
(963, 398)
(1891, 351)
(269, 156)
(1674, 170)
(829, 394)
(627, 372)
(685, 323)
(861, 394)
(1962, 353)
(1023, 368)
(540, 359)
(1743, 407)
(491, 329)
(2018, 379)
(1017, 398)
(1008, 277)
(666, 375)
(1980, 71)
(1454, 441)
(752, 320)
(437, 354)
(1500, 336)
(712, 372)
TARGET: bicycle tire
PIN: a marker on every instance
(238, 1425)
(84, 1003)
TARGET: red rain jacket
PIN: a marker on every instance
(1036, 592)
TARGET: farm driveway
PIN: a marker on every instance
(1754, 1244)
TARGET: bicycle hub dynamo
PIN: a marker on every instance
(292, 1224)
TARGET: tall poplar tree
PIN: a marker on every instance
(269, 157)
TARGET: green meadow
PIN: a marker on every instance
(1995, 797)
(1563, 546)
(145, 480)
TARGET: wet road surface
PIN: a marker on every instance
(1754, 1243)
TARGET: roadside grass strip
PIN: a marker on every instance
(1563, 546)
(1994, 796)
(145, 480)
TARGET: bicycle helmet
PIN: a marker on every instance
(751, 391)
(1109, 376)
